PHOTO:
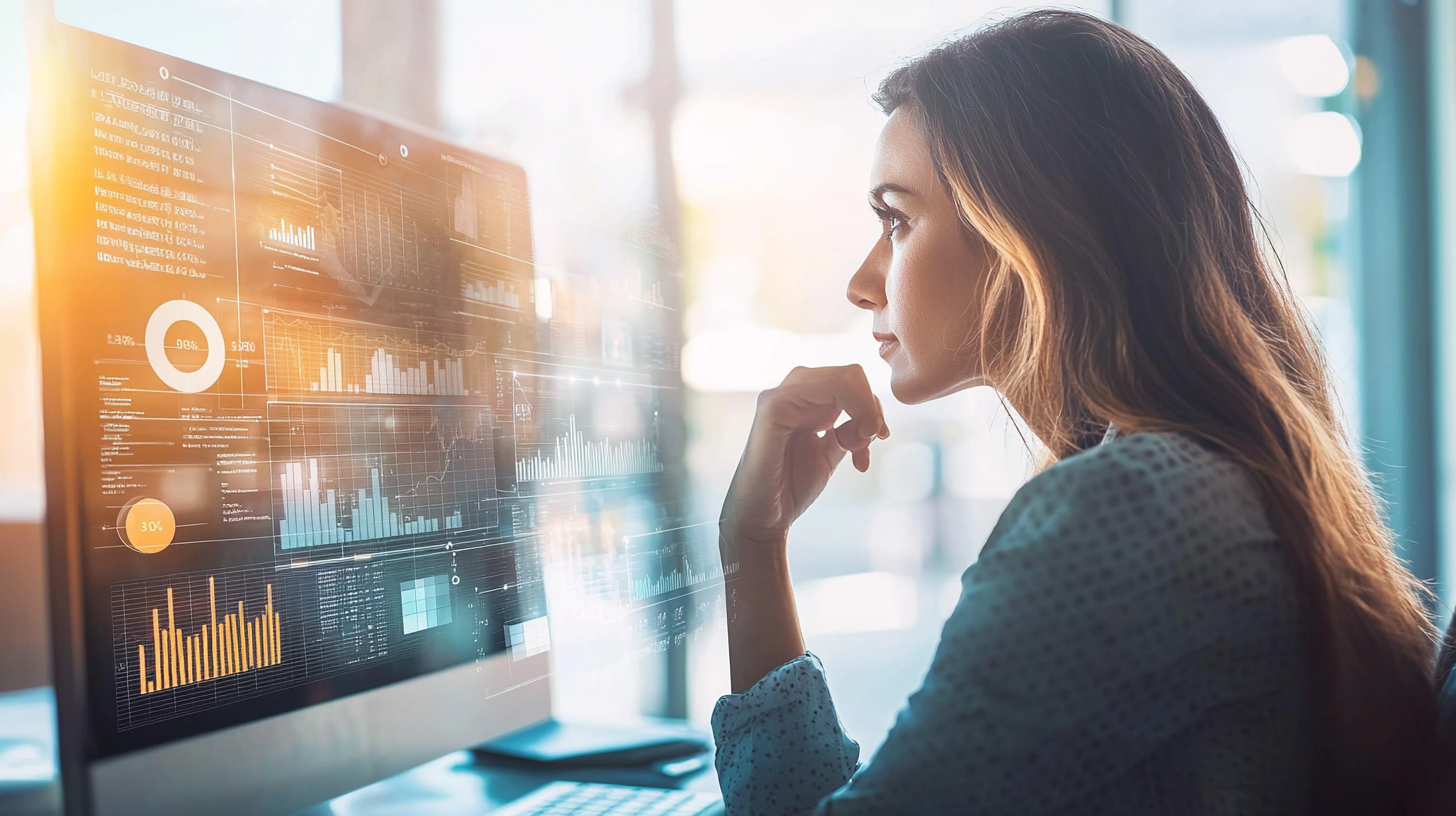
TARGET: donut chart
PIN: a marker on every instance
(146, 525)
(168, 315)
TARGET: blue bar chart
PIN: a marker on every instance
(312, 517)
(574, 457)
(645, 587)
(316, 357)
(351, 474)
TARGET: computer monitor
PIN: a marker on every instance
(308, 410)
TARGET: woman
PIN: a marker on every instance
(1196, 609)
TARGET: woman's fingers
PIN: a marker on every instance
(826, 447)
(856, 434)
(813, 398)
(794, 447)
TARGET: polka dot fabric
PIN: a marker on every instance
(1128, 643)
(787, 720)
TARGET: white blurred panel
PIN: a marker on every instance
(293, 45)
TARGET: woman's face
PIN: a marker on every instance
(924, 277)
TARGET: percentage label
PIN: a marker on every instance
(189, 345)
(120, 340)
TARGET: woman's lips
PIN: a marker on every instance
(887, 342)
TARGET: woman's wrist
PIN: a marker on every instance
(738, 546)
(763, 623)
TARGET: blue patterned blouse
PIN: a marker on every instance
(1128, 643)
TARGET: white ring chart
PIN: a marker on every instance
(165, 316)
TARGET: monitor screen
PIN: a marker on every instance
(310, 402)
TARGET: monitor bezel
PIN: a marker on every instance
(314, 754)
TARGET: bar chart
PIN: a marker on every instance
(345, 474)
(312, 516)
(574, 457)
(490, 208)
(286, 233)
(632, 285)
(386, 377)
(484, 283)
(653, 294)
(220, 648)
(311, 356)
(645, 587)
(497, 295)
(371, 230)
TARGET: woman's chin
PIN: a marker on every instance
(908, 388)
(913, 387)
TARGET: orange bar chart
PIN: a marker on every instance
(232, 645)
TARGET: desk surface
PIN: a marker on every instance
(453, 785)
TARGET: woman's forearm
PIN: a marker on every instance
(792, 451)
(763, 622)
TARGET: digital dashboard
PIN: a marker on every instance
(328, 419)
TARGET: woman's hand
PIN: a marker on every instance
(792, 450)
(794, 447)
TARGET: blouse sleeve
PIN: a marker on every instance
(1123, 594)
(781, 747)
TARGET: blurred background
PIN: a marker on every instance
(748, 126)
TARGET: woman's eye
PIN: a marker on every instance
(890, 222)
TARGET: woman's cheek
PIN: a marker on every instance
(919, 312)
(894, 296)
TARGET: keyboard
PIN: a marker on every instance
(583, 799)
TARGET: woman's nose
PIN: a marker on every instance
(867, 285)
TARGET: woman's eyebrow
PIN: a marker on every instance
(887, 187)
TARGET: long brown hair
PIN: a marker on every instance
(1132, 287)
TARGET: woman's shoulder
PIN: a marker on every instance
(1149, 528)
(1128, 591)
(1150, 481)
(1152, 498)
